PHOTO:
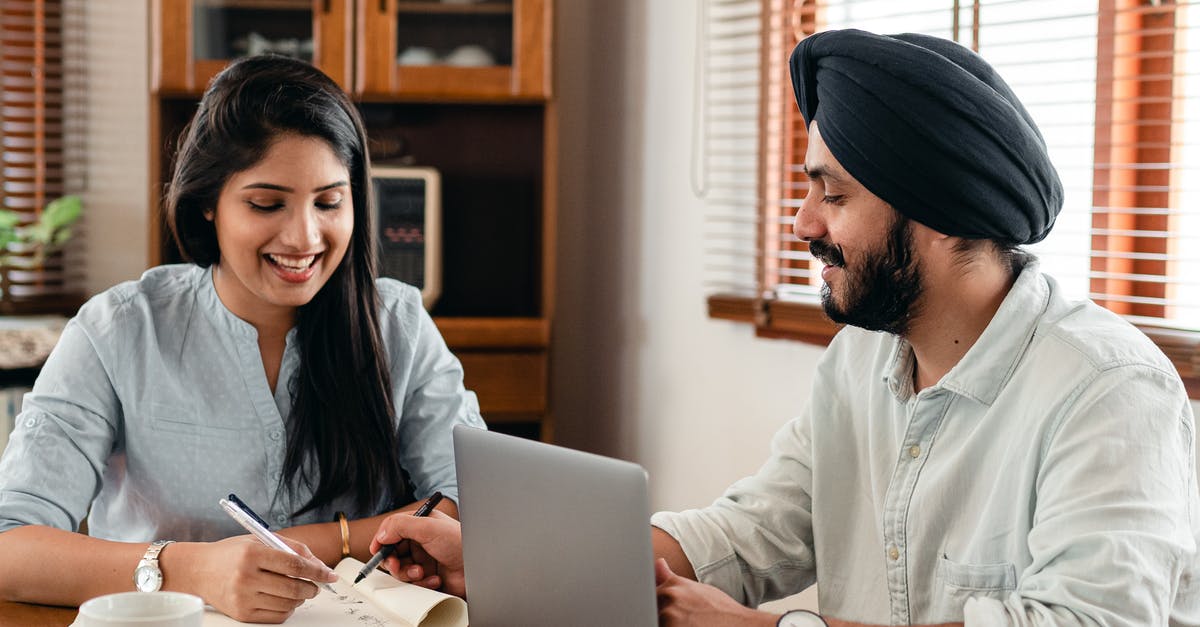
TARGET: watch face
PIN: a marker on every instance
(147, 578)
(801, 619)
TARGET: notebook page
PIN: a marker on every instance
(377, 601)
(413, 604)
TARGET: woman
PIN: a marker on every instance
(276, 366)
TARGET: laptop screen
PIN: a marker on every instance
(552, 536)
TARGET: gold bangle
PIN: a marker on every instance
(341, 519)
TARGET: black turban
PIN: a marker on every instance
(929, 127)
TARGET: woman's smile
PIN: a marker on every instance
(293, 268)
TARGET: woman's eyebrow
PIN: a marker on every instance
(282, 188)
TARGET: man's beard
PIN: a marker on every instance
(881, 293)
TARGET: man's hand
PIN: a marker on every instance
(428, 551)
(683, 602)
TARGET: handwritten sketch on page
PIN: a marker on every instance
(377, 601)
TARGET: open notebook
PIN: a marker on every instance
(377, 601)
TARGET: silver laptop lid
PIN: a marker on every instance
(552, 536)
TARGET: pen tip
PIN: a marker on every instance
(359, 578)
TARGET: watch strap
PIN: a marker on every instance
(151, 556)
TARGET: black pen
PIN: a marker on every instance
(388, 549)
(249, 512)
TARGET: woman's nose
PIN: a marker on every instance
(302, 230)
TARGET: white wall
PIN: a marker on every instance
(639, 370)
(117, 197)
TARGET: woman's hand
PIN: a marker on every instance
(428, 551)
(245, 579)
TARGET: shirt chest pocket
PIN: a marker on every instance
(961, 581)
(176, 421)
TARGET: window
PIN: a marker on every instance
(41, 135)
(1113, 85)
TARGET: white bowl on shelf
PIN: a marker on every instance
(470, 56)
(417, 55)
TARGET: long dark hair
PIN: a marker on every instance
(341, 435)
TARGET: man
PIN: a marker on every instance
(977, 449)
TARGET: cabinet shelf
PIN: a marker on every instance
(443, 8)
(485, 333)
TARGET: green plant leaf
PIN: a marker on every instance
(8, 219)
(38, 232)
(61, 212)
(50, 231)
(62, 236)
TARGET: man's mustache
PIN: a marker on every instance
(827, 253)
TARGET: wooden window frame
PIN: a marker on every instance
(34, 163)
(1122, 52)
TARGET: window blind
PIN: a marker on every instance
(726, 147)
(1113, 85)
(41, 71)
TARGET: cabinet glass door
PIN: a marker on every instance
(229, 29)
(458, 34)
(205, 35)
(455, 48)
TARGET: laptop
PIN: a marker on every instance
(552, 536)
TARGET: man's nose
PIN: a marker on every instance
(808, 224)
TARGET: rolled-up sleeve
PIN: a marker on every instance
(755, 542)
(1113, 522)
(63, 437)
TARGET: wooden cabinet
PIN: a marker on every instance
(194, 39)
(460, 49)
(462, 86)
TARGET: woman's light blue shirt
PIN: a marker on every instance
(155, 404)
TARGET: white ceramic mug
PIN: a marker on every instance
(142, 609)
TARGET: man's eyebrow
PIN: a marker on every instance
(820, 172)
(281, 188)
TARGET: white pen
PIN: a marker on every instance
(247, 520)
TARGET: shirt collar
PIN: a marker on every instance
(217, 312)
(987, 366)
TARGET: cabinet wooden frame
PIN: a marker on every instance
(527, 78)
(176, 70)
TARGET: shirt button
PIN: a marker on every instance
(31, 422)
(275, 476)
(914, 451)
(281, 519)
(894, 553)
(275, 435)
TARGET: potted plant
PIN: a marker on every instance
(30, 254)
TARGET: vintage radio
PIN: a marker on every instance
(408, 223)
